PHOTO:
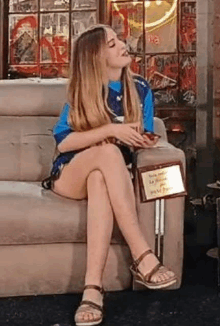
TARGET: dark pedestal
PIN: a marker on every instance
(216, 193)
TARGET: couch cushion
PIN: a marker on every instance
(32, 215)
(27, 147)
(57, 268)
(32, 96)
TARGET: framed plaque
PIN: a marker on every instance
(161, 181)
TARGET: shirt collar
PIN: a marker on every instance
(116, 85)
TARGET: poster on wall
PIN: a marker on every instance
(46, 54)
(160, 26)
(54, 34)
(23, 5)
(162, 75)
(82, 20)
(23, 39)
(137, 64)
(127, 22)
(188, 80)
(54, 4)
(84, 4)
(187, 26)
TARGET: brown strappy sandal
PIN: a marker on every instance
(146, 279)
(89, 307)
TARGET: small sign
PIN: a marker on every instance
(161, 181)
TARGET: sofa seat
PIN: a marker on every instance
(33, 215)
(42, 235)
(43, 243)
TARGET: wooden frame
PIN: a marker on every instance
(3, 39)
(159, 179)
(173, 93)
(4, 16)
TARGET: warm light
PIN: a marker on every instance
(147, 4)
(176, 130)
(165, 17)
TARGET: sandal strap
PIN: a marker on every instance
(92, 305)
(149, 275)
(94, 287)
(137, 261)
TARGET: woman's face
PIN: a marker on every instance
(117, 56)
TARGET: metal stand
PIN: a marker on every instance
(159, 228)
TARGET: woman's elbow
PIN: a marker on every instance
(61, 148)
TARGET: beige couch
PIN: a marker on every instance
(42, 235)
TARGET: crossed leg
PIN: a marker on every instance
(100, 174)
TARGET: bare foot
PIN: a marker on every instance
(148, 263)
(87, 313)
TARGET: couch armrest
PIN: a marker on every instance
(159, 128)
(174, 209)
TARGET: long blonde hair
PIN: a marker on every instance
(88, 89)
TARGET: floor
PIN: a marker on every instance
(195, 303)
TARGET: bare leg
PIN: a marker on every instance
(109, 161)
(99, 232)
(99, 227)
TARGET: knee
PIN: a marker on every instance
(110, 152)
(95, 178)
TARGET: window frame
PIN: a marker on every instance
(39, 13)
(178, 53)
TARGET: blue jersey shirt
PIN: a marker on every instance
(62, 128)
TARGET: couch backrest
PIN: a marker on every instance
(28, 111)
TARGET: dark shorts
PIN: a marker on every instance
(65, 158)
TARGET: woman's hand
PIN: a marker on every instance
(128, 133)
(150, 142)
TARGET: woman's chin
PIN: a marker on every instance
(127, 61)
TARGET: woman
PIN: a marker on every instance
(92, 164)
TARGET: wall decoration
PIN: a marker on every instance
(188, 80)
(23, 5)
(137, 64)
(54, 33)
(162, 75)
(84, 4)
(160, 26)
(54, 5)
(188, 27)
(127, 22)
(82, 20)
(40, 38)
(23, 39)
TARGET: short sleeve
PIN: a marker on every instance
(148, 112)
(147, 102)
(62, 127)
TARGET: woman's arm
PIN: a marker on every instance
(69, 140)
(77, 140)
(123, 132)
